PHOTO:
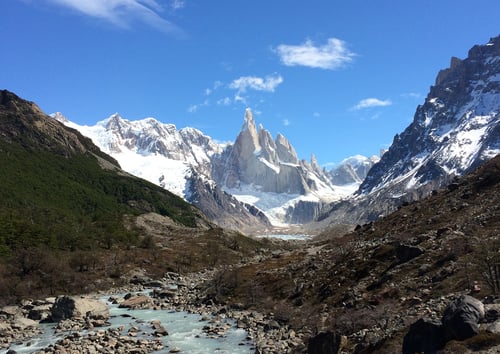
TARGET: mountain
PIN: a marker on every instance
(251, 184)
(267, 172)
(177, 160)
(59, 190)
(455, 130)
(353, 170)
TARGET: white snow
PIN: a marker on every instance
(270, 165)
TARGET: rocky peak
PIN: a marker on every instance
(286, 152)
(456, 129)
(59, 117)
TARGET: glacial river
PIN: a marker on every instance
(185, 332)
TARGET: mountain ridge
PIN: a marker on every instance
(223, 180)
(455, 130)
(60, 190)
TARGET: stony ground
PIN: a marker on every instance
(367, 286)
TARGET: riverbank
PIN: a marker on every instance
(172, 293)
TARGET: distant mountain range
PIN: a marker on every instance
(259, 182)
(252, 184)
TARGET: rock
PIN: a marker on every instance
(155, 284)
(23, 323)
(493, 327)
(160, 331)
(10, 310)
(67, 307)
(461, 318)
(424, 336)
(164, 293)
(271, 325)
(137, 302)
(324, 343)
(405, 253)
(41, 312)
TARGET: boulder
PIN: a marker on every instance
(67, 307)
(324, 343)
(159, 330)
(405, 253)
(424, 336)
(10, 311)
(137, 302)
(40, 312)
(23, 323)
(461, 318)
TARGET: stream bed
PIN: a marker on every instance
(187, 332)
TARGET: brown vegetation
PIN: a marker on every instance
(372, 283)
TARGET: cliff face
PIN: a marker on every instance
(456, 129)
(255, 158)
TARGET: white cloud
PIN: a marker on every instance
(269, 83)
(122, 12)
(286, 122)
(177, 4)
(194, 107)
(333, 55)
(371, 102)
(240, 98)
(226, 101)
(217, 84)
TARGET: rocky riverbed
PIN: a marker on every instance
(82, 320)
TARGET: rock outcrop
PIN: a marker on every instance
(69, 307)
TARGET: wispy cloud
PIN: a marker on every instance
(122, 12)
(226, 101)
(286, 122)
(177, 4)
(413, 95)
(195, 107)
(332, 55)
(371, 102)
(269, 83)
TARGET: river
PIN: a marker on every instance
(185, 332)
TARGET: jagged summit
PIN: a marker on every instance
(177, 160)
(249, 121)
(456, 129)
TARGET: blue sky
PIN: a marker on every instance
(337, 78)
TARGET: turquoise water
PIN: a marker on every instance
(185, 332)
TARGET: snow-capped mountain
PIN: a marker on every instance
(246, 185)
(352, 170)
(152, 150)
(456, 129)
(178, 160)
(267, 173)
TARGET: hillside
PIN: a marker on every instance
(60, 190)
(72, 220)
(371, 284)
